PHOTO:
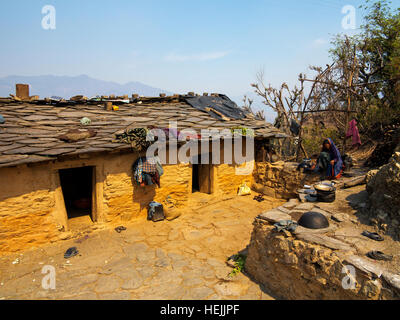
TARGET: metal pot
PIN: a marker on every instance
(324, 187)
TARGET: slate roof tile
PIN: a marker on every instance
(30, 132)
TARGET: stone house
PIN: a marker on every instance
(40, 175)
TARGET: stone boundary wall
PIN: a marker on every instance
(383, 187)
(310, 266)
(280, 179)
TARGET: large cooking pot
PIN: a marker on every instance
(325, 193)
(324, 187)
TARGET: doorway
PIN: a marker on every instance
(78, 191)
(202, 178)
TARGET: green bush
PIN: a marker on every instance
(240, 261)
(313, 137)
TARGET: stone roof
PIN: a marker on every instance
(31, 130)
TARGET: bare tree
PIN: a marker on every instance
(291, 104)
(247, 103)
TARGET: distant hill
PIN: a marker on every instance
(67, 87)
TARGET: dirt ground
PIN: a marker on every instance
(352, 201)
(180, 259)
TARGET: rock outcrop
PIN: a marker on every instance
(314, 266)
(383, 187)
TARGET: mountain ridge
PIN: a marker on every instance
(68, 86)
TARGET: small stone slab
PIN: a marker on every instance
(283, 209)
(207, 122)
(340, 217)
(274, 216)
(55, 123)
(27, 131)
(48, 139)
(142, 119)
(323, 240)
(365, 265)
(291, 204)
(39, 118)
(56, 152)
(24, 150)
(302, 230)
(11, 158)
(8, 147)
(25, 160)
(302, 197)
(4, 136)
(30, 141)
(392, 279)
(73, 114)
(110, 145)
(304, 207)
(88, 151)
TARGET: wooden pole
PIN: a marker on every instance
(325, 110)
(348, 111)
(300, 146)
(346, 121)
(108, 105)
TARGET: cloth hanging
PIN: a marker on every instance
(146, 171)
(137, 169)
(353, 132)
(149, 166)
(156, 160)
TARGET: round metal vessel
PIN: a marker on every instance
(313, 220)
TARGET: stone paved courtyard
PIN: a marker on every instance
(180, 259)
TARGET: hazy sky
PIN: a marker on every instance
(176, 45)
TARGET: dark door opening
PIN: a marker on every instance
(77, 188)
(202, 178)
(195, 178)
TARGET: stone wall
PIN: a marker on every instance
(383, 187)
(297, 269)
(280, 179)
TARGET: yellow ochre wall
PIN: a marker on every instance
(26, 205)
(32, 210)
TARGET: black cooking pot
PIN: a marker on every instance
(313, 220)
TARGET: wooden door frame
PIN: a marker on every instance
(209, 175)
(62, 214)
